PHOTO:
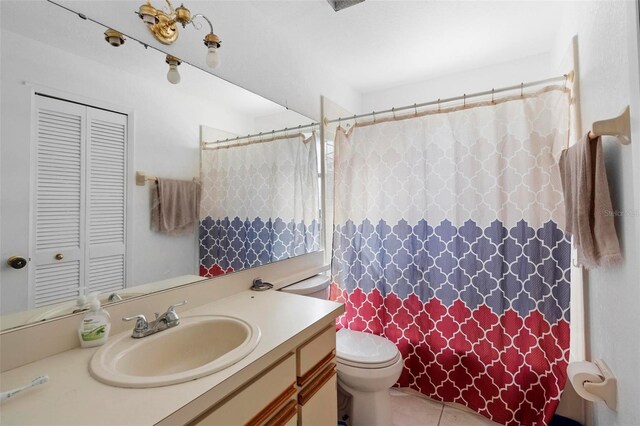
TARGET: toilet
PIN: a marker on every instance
(367, 365)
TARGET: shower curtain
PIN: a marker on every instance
(259, 203)
(448, 240)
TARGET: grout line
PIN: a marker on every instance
(441, 412)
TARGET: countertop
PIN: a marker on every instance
(73, 397)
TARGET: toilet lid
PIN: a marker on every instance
(364, 350)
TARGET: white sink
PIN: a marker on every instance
(198, 346)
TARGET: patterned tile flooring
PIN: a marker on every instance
(412, 410)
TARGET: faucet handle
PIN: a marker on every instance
(141, 322)
(173, 307)
(171, 315)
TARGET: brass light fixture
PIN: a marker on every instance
(114, 37)
(164, 27)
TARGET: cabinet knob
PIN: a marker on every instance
(17, 262)
(59, 256)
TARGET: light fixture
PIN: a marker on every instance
(173, 75)
(114, 37)
(163, 26)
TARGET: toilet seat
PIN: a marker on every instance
(364, 350)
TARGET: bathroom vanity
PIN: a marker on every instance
(289, 378)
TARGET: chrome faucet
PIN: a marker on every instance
(114, 297)
(162, 322)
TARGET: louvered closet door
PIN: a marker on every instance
(106, 200)
(58, 202)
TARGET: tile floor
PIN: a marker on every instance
(412, 410)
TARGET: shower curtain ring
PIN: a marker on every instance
(521, 89)
(374, 116)
(565, 80)
(355, 119)
(438, 104)
(415, 109)
(464, 100)
(393, 110)
(493, 91)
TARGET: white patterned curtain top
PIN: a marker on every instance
(274, 179)
(443, 166)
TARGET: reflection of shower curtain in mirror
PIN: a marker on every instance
(260, 203)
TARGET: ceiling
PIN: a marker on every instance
(380, 44)
(371, 46)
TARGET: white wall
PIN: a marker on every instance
(607, 38)
(529, 68)
(166, 143)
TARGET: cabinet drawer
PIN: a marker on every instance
(288, 416)
(259, 402)
(315, 354)
(321, 407)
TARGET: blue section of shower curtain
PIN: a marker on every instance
(235, 244)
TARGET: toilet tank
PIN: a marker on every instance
(316, 286)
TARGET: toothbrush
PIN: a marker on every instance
(35, 382)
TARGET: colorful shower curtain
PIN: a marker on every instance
(259, 203)
(448, 240)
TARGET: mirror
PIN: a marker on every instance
(80, 118)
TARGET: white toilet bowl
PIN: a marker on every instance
(367, 365)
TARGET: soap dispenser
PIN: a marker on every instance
(95, 327)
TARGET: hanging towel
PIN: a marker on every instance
(174, 206)
(589, 213)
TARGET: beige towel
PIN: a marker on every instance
(589, 213)
(174, 206)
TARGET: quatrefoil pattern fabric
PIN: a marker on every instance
(449, 241)
(259, 204)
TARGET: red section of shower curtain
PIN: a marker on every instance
(509, 369)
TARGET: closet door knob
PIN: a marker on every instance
(17, 262)
(59, 256)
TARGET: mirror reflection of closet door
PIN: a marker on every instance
(78, 201)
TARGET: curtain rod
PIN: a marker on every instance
(270, 133)
(464, 97)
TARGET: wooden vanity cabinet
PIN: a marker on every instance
(317, 381)
(299, 389)
(267, 400)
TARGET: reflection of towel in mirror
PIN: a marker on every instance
(589, 214)
(174, 206)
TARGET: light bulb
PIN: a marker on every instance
(173, 75)
(213, 60)
(148, 19)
